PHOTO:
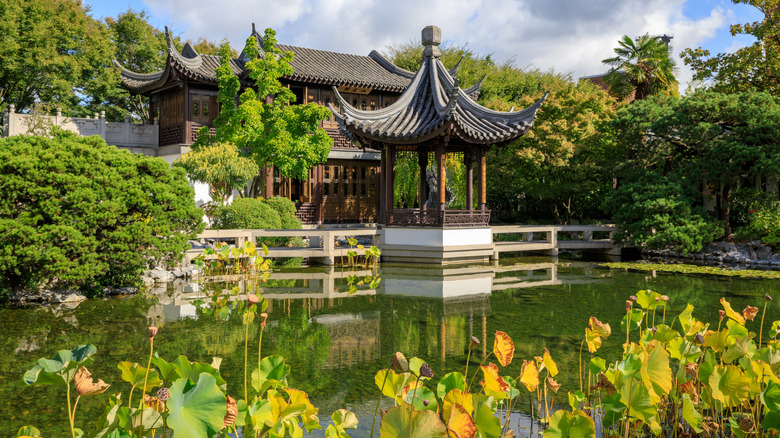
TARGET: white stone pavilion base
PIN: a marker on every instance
(436, 245)
(436, 282)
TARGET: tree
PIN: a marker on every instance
(710, 138)
(221, 166)
(755, 66)
(52, 52)
(265, 124)
(75, 211)
(642, 67)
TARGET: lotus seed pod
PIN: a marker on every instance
(474, 342)
(722, 313)
(426, 371)
(163, 394)
(767, 298)
(253, 299)
(400, 364)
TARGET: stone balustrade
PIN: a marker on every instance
(126, 135)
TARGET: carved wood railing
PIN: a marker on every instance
(438, 218)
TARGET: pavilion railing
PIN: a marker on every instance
(437, 218)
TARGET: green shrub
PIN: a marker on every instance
(657, 212)
(286, 209)
(759, 216)
(77, 212)
(246, 213)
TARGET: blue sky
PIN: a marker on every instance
(564, 35)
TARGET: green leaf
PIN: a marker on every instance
(729, 385)
(28, 431)
(414, 365)
(637, 398)
(564, 424)
(345, 419)
(597, 365)
(770, 397)
(771, 421)
(60, 369)
(134, 373)
(421, 395)
(690, 414)
(273, 372)
(403, 422)
(450, 381)
(394, 383)
(196, 410)
(656, 373)
(613, 408)
(488, 425)
(743, 346)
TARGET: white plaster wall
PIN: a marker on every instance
(456, 287)
(438, 237)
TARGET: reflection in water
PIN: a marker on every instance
(336, 342)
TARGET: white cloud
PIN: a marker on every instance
(565, 35)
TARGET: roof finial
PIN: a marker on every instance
(253, 28)
(431, 38)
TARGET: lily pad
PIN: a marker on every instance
(196, 410)
(60, 369)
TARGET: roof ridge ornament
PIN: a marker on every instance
(431, 39)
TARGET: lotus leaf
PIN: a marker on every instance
(394, 384)
(196, 409)
(664, 333)
(731, 313)
(655, 371)
(649, 300)
(771, 421)
(593, 340)
(771, 396)
(768, 355)
(146, 419)
(503, 348)
(633, 318)
(576, 424)
(134, 373)
(529, 376)
(494, 384)
(488, 425)
(680, 348)
(690, 414)
(637, 398)
(449, 382)
(729, 385)
(613, 408)
(597, 365)
(183, 368)
(736, 329)
(717, 341)
(457, 396)
(309, 416)
(62, 368)
(342, 420)
(575, 399)
(28, 431)
(402, 422)
(602, 328)
(422, 395)
(460, 423)
(743, 346)
(415, 364)
(273, 372)
(550, 364)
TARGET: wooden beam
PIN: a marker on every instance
(469, 159)
(482, 178)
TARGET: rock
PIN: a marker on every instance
(178, 273)
(764, 252)
(68, 296)
(148, 282)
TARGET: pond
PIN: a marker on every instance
(336, 342)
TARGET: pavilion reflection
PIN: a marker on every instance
(426, 311)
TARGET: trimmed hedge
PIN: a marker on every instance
(286, 209)
(77, 212)
(247, 213)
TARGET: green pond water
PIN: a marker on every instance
(336, 342)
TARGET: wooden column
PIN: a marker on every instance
(268, 192)
(422, 160)
(441, 176)
(186, 115)
(389, 176)
(482, 161)
(382, 197)
(469, 161)
(318, 188)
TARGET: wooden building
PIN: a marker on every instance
(345, 188)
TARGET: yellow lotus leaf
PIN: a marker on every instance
(457, 396)
(553, 385)
(593, 339)
(718, 341)
(529, 376)
(460, 423)
(762, 372)
(494, 384)
(655, 371)
(549, 363)
(731, 313)
(602, 328)
(750, 312)
(503, 348)
(410, 388)
(298, 397)
(86, 386)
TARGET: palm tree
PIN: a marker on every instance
(642, 66)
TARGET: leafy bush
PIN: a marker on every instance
(758, 213)
(247, 213)
(77, 212)
(655, 212)
(286, 209)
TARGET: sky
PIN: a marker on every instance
(569, 36)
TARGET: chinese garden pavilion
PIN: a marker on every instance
(434, 116)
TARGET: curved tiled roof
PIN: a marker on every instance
(433, 105)
(309, 65)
